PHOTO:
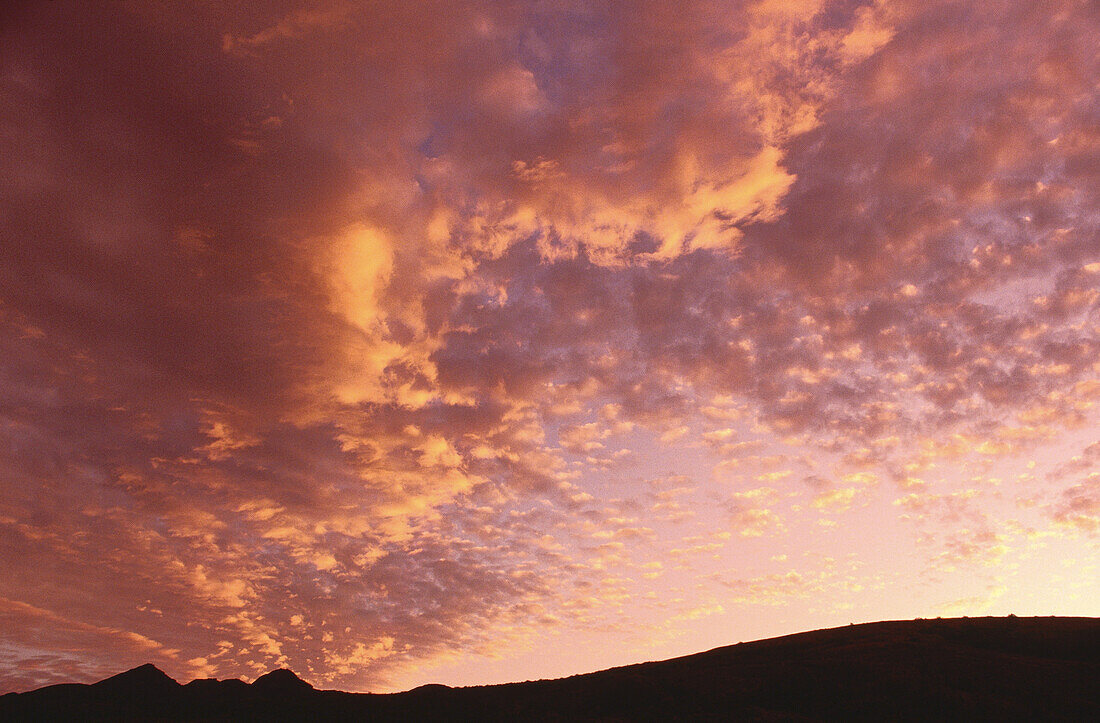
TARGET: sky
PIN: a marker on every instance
(472, 342)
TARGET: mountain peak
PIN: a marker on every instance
(144, 676)
(281, 679)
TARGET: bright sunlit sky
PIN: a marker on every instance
(467, 342)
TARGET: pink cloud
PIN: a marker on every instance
(324, 332)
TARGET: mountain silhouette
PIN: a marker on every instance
(148, 677)
(958, 669)
(280, 682)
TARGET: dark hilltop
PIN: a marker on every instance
(957, 669)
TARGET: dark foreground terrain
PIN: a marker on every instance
(960, 669)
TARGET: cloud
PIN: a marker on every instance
(324, 330)
(289, 27)
(1079, 506)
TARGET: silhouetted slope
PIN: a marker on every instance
(280, 682)
(974, 669)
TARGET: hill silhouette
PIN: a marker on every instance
(968, 668)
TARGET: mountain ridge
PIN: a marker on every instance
(983, 668)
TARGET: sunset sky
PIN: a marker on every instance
(467, 342)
